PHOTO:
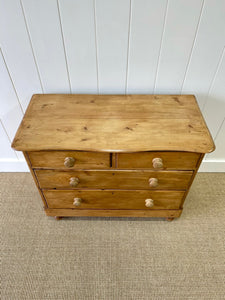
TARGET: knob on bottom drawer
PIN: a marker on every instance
(149, 202)
(77, 201)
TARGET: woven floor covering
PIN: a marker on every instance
(112, 258)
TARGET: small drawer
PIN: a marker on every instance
(115, 179)
(69, 160)
(158, 160)
(79, 199)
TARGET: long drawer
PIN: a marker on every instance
(69, 160)
(115, 179)
(80, 199)
(158, 160)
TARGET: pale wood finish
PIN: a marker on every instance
(162, 213)
(192, 178)
(56, 159)
(113, 123)
(126, 199)
(170, 160)
(113, 155)
(35, 179)
(114, 179)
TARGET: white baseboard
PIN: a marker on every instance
(212, 166)
(14, 165)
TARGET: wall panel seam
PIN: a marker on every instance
(96, 45)
(128, 46)
(213, 79)
(64, 46)
(8, 137)
(193, 46)
(31, 45)
(218, 131)
(161, 42)
(14, 88)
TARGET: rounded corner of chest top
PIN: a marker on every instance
(14, 145)
(212, 149)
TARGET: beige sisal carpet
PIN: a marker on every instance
(132, 259)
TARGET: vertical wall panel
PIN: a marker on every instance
(214, 111)
(180, 28)
(128, 46)
(207, 50)
(44, 27)
(220, 145)
(112, 19)
(5, 150)
(17, 51)
(10, 111)
(79, 33)
(147, 20)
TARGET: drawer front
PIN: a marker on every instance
(113, 179)
(69, 159)
(113, 199)
(162, 160)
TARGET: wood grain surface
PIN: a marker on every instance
(162, 213)
(113, 199)
(113, 123)
(170, 160)
(115, 179)
(55, 159)
(35, 179)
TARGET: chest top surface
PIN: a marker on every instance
(113, 123)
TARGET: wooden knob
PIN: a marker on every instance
(153, 182)
(69, 162)
(74, 181)
(157, 163)
(77, 201)
(149, 202)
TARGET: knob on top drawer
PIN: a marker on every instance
(69, 162)
(157, 163)
(69, 159)
(158, 160)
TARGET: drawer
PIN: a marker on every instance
(75, 159)
(113, 199)
(166, 160)
(125, 179)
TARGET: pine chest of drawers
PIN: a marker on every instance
(113, 155)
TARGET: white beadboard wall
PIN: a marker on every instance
(106, 47)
